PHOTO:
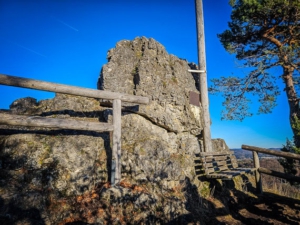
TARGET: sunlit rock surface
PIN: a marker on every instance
(61, 176)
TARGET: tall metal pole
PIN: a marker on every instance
(203, 76)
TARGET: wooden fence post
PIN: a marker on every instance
(116, 154)
(257, 173)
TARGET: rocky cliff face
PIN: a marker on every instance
(160, 139)
(143, 67)
(44, 169)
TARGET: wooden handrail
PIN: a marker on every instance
(278, 174)
(71, 90)
(216, 153)
(37, 121)
(259, 169)
(272, 152)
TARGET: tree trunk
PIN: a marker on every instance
(293, 102)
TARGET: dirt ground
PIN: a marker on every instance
(229, 202)
(236, 207)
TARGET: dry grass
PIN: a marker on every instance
(280, 187)
(272, 184)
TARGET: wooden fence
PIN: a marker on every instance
(36, 121)
(259, 170)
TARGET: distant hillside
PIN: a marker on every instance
(244, 154)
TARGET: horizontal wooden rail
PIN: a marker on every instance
(272, 152)
(279, 174)
(66, 89)
(216, 153)
(36, 121)
(196, 71)
(260, 170)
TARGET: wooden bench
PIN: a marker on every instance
(219, 165)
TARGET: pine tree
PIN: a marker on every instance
(263, 34)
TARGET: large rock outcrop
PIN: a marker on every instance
(143, 67)
(50, 168)
(159, 140)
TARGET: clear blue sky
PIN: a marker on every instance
(66, 41)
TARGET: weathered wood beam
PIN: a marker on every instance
(272, 152)
(203, 77)
(117, 140)
(258, 180)
(196, 71)
(216, 153)
(279, 174)
(37, 121)
(71, 90)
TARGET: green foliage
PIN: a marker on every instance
(237, 92)
(290, 165)
(263, 34)
(296, 125)
(205, 189)
(296, 128)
